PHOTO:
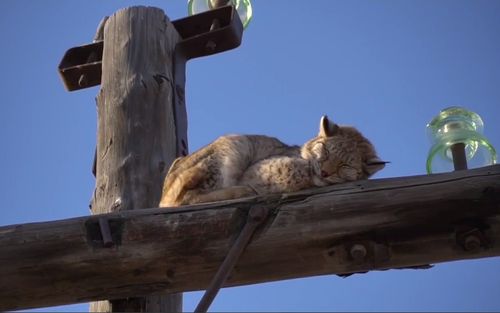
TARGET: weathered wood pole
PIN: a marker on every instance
(136, 132)
(347, 228)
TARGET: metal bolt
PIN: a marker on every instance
(471, 239)
(107, 239)
(358, 252)
(210, 46)
(215, 24)
(471, 243)
(82, 81)
(116, 205)
(458, 156)
(214, 4)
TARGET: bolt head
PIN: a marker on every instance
(471, 243)
(358, 252)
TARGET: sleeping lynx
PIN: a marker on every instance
(236, 166)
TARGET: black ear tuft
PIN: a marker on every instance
(374, 165)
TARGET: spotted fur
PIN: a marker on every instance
(235, 166)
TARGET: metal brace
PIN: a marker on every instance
(107, 239)
(255, 217)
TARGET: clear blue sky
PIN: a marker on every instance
(386, 67)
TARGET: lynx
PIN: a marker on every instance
(235, 166)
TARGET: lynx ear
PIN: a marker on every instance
(327, 128)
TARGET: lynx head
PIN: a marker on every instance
(339, 154)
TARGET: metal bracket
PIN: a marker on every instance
(209, 32)
(255, 217)
(81, 67)
(202, 34)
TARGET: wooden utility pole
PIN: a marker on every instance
(142, 124)
(136, 132)
(347, 228)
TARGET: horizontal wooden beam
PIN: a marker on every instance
(348, 228)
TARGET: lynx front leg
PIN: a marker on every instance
(234, 192)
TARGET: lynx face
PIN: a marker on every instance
(339, 154)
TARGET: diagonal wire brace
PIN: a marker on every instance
(255, 217)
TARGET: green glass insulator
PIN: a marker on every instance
(243, 7)
(457, 125)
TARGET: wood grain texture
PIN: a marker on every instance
(136, 135)
(400, 222)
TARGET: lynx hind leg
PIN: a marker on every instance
(234, 192)
(178, 183)
(174, 165)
